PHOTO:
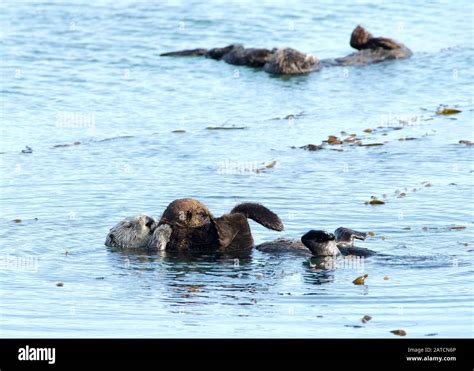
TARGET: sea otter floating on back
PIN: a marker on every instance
(285, 61)
(289, 61)
(319, 243)
(188, 225)
(372, 49)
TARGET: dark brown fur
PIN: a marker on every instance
(186, 212)
(290, 61)
(219, 53)
(194, 227)
(251, 57)
(363, 39)
(260, 214)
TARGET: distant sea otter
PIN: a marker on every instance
(319, 243)
(134, 232)
(372, 49)
(275, 61)
(188, 225)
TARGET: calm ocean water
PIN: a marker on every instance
(76, 72)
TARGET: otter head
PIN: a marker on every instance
(321, 243)
(360, 37)
(186, 212)
(345, 236)
(132, 232)
(289, 61)
(160, 238)
(177, 223)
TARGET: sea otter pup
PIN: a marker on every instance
(319, 243)
(134, 232)
(188, 225)
(372, 49)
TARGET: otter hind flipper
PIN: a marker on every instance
(260, 214)
(186, 53)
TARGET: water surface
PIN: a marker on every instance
(76, 72)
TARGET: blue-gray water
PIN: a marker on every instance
(75, 72)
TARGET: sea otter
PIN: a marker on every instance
(275, 61)
(319, 243)
(134, 232)
(372, 49)
(188, 225)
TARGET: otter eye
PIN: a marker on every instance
(149, 224)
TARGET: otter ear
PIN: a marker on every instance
(227, 228)
(126, 224)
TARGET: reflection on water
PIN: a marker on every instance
(114, 131)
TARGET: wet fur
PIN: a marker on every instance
(372, 49)
(363, 39)
(132, 232)
(343, 241)
(248, 57)
(195, 228)
(276, 61)
(260, 214)
(289, 61)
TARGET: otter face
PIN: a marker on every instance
(321, 243)
(360, 37)
(186, 212)
(345, 236)
(291, 62)
(160, 237)
(132, 232)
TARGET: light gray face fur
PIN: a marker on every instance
(290, 62)
(134, 232)
(345, 236)
(327, 248)
(160, 238)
